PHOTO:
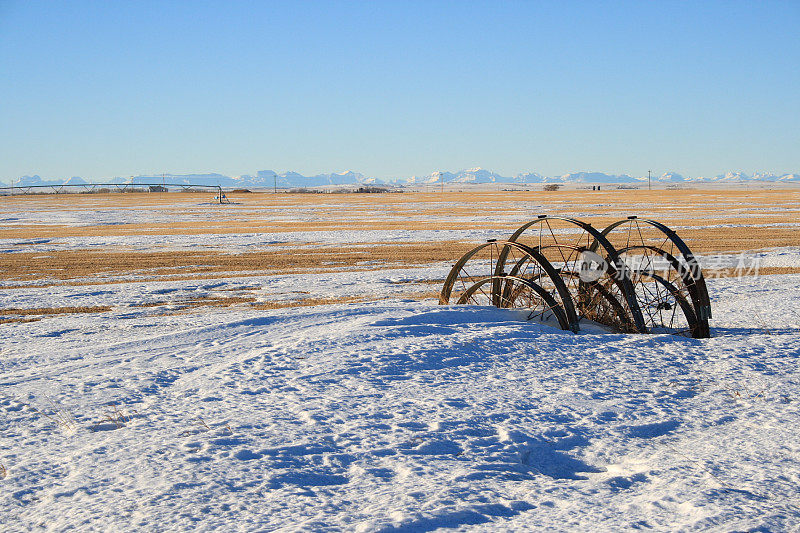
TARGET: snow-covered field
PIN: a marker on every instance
(402, 416)
(390, 415)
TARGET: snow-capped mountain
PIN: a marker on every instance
(269, 178)
(668, 177)
(727, 177)
(26, 181)
(470, 175)
(768, 176)
(532, 177)
(597, 177)
(290, 179)
(179, 179)
(736, 177)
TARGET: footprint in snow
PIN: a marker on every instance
(620, 483)
(247, 455)
(436, 447)
(307, 479)
(650, 431)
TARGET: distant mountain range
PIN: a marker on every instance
(269, 178)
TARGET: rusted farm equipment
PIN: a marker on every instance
(634, 276)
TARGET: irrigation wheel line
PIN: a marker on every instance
(677, 281)
(633, 232)
(646, 279)
(597, 302)
(588, 295)
(546, 236)
(666, 310)
(481, 263)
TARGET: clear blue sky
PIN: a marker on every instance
(101, 89)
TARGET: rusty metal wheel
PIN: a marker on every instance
(599, 301)
(652, 249)
(637, 275)
(565, 243)
(476, 277)
(596, 293)
(664, 289)
(518, 293)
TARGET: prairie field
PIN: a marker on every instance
(281, 363)
(94, 239)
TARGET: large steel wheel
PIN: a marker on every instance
(564, 242)
(518, 293)
(649, 246)
(596, 291)
(664, 306)
(477, 276)
(635, 276)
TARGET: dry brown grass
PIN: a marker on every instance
(202, 302)
(620, 198)
(54, 310)
(222, 228)
(72, 264)
(178, 307)
(311, 302)
(739, 239)
(250, 303)
(259, 212)
(19, 320)
(333, 212)
(232, 228)
(765, 271)
(21, 315)
(86, 263)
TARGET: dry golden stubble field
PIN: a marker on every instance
(756, 211)
(262, 212)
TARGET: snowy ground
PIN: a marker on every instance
(397, 416)
(392, 415)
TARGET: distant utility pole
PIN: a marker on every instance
(275, 188)
(649, 186)
(441, 177)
